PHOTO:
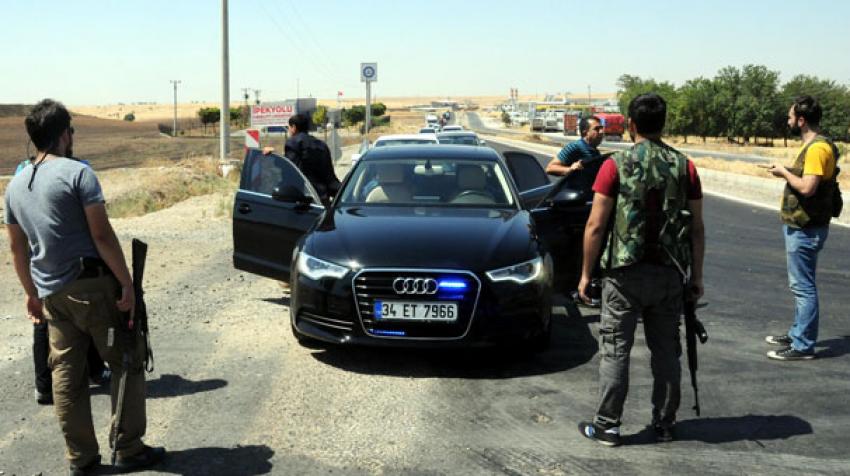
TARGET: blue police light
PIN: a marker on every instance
(383, 332)
(452, 284)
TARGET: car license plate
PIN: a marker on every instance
(416, 311)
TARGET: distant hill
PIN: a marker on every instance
(14, 110)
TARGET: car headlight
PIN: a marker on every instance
(520, 273)
(316, 269)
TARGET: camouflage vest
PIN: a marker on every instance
(650, 166)
(799, 211)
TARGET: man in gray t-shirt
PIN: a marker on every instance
(68, 260)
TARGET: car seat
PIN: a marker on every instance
(471, 185)
(391, 186)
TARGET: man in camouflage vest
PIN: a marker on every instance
(650, 199)
(811, 198)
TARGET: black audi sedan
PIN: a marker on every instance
(439, 245)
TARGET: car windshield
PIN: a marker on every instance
(394, 142)
(459, 139)
(428, 182)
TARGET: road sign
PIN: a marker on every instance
(271, 114)
(252, 138)
(368, 72)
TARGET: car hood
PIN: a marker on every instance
(424, 237)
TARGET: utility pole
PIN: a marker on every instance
(257, 96)
(175, 82)
(245, 95)
(225, 85)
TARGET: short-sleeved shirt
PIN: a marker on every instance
(581, 150)
(52, 215)
(608, 184)
(819, 160)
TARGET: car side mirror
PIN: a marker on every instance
(290, 194)
(568, 198)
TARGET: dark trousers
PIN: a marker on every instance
(41, 351)
(653, 293)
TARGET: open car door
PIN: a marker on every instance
(274, 206)
(559, 210)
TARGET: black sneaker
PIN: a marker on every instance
(86, 470)
(102, 378)
(790, 354)
(607, 437)
(783, 340)
(44, 398)
(663, 433)
(147, 458)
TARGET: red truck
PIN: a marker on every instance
(614, 124)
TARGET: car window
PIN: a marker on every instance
(394, 142)
(262, 173)
(429, 182)
(459, 139)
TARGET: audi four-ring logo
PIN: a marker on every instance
(415, 286)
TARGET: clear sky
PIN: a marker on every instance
(99, 52)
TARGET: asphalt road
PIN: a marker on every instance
(234, 393)
(476, 124)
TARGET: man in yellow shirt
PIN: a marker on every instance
(807, 207)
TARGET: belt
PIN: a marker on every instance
(93, 268)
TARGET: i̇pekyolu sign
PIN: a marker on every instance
(271, 114)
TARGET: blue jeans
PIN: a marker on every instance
(802, 246)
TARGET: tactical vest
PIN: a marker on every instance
(799, 211)
(650, 166)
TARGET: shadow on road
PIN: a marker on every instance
(834, 347)
(730, 429)
(572, 345)
(281, 301)
(243, 460)
(169, 385)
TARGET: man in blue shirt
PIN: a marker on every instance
(573, 158)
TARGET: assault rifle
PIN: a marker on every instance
(693, 330)
(136, 323)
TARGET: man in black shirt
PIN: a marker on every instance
(312, 157)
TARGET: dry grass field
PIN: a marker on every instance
(109, 143)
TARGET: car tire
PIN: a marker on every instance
(541, 341)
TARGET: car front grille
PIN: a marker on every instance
(375, 285)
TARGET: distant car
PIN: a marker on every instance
(453, 127)
(460, 137)
(428, 130)
(394, 140)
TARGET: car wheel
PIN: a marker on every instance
(541, 341)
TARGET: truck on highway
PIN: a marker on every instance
(613, 124)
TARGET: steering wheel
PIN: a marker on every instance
(474, 193)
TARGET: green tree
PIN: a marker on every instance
(236, 114)
(354, 115)
(378, 109)
(209, 115)
(833, 97)
(727, 85)
(130, 117)
(632, 86)
(757, 101)
(506, 118)
(696, 108)
(320, 116)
